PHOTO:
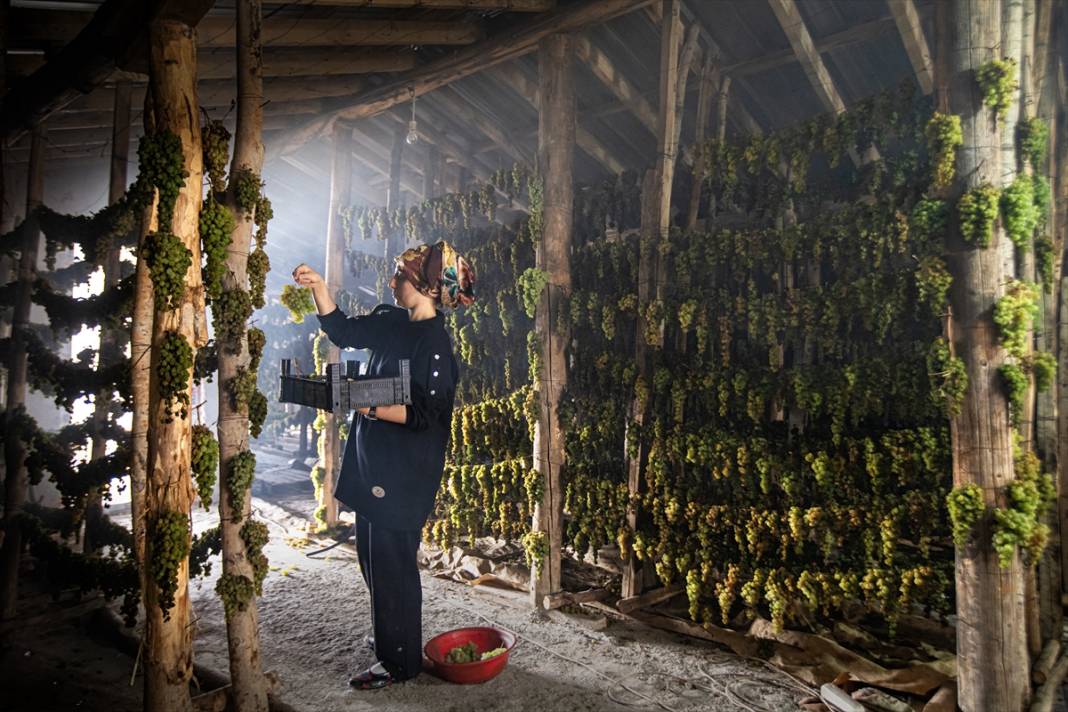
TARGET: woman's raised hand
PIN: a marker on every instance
(305, 276)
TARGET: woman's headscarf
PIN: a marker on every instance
(440, 272)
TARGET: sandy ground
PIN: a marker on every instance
(315, 612)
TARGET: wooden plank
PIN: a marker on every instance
(709, 80)
(51, 28)
(649, 598)
(907, 19)
(463, 63)
(556, 155)
(513, 77)
(286, 31)
(308, 62)
(616, 81)
(507, 5)
(567, 598)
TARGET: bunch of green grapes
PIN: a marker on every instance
(246, 187)
(1044, 366)
(231, 310)
(169, 547)
(1018, 211)
(264, 214)
(239, 474)
(216, 142)
(978, 209)
(175, 363)
(944, 136)
(162, 165)
(966, 506)
(257, 413)
(216, 229)
(933, 281)
(257, 340)
(1017, 384)
(298, 300)
(242, 386)
(168, 262)
(205, 462)
(1034, 140)
(1014, 314)
(255, 536)
(997, 82)
(258, 266)
(235, 591)
(466, 653)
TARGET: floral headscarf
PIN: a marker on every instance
(440, 272)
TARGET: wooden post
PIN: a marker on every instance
(168, 656)
(656, 220)
(992, 659)
(340, 188)
(16, 480)
(556, 149)
(111, 338)
(248, 689)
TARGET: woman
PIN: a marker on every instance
(395, 454)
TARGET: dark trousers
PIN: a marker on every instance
(391, 572)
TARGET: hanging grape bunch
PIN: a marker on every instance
(257, 340)
(239, 474)
(216, 140)
(216, 228)
(175, 364)
(169, 547)
(258, 266)
(168, 263)
(205, 463)
(231, 311)
(162, 166)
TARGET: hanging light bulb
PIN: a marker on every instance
(413, 129)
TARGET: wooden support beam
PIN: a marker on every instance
(709, 81)
(616, 81)
(567, 598)
(460, 64)
(556, 155)
(907, 19)
(513, 77)
(309, 62)
(51, 28)
(649, 598)
(286, 31)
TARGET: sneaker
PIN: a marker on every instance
(369, 642)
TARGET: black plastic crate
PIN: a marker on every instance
(341, 393)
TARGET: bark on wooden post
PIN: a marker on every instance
(340, 188)
(168, 653)
(248, 687)
(992, 654)
(111, 338)
(556, 149)
(16, 480)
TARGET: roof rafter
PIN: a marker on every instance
(908, 24)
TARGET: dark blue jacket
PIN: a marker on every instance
(391, 472)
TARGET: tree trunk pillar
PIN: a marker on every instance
(169, 642)
(991, 633)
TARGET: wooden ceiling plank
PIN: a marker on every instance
(501, 5)
(909, 26)
(463, 63)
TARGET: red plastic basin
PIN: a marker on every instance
(484, 639)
